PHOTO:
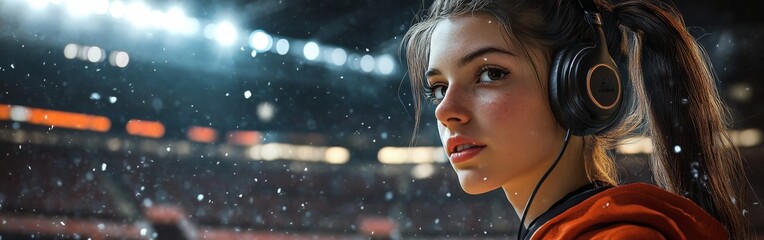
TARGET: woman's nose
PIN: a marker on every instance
(453, 108)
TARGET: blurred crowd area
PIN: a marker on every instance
(52, 185)
(218, 191)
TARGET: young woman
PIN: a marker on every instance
(531, 95)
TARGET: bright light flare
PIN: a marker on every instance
(95, 54)
(117, 9)
(284, 151)
(282, 46)
(70, 51)
(635, 145)
(176, 21)
(78, 8)
(339, 56)
(311, 51)
(190, 26)
(385, 64)
(415, 155)
(20, 113)
(337, 155)
(422, 171)
(38, 4)
(746, 138)
(159, 20)
(138, 14)
(99, 6)
(260, 41)
(367, 63)
(266, 111)
(225, 33)
(119, 59)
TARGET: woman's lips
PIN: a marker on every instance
(464, 155)
(456, 148)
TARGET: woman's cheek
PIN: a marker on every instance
(504, 107)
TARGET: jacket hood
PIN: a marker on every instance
(633, 211)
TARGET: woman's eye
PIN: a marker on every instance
(439, 92)
(488, 75)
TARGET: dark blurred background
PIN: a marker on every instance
(264, 119)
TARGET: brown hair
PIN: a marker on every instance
(682, 113)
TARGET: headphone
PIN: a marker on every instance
(585, 92)
(585, 89)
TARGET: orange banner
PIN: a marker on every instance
(145, 128)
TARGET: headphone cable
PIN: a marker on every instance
(538, 185)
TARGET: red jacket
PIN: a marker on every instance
(633, 211)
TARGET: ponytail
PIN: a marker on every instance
(687, 121)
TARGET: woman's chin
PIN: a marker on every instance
(473, 187)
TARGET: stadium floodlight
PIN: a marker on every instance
(79, 8)
(122, 59)
(176, 21)
(138, 13)
(311, 51)
(190, 26)
(99, 6)
(158, 19)
(225, 33)
(119, 59)
(38, 4)
(20, 113)
(95, 54)
(282, 46)
(82, 53)
(260, 41)
(339, 56)
(117, 9)
(266, 111)
(209, 30)
(337, 155)
(385, 64)
(70, 51)
(367, 63)
(353, 62)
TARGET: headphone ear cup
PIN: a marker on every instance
(563, 90)
(585, 90)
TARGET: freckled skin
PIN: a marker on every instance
(511, 116)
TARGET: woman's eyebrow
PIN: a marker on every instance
(482, 51)
(470, 57)
(431, 72)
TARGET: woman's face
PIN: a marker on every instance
(493, 98)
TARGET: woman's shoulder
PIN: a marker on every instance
(637, 210)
